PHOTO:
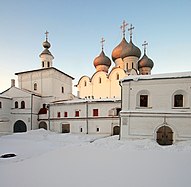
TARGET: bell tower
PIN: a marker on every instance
(46, 56)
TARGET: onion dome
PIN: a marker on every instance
(102, 59)
(145, 62)
(131, 50)
(119, 50)
(46, 45)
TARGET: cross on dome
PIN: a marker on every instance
(123, 27)
(102, 43)
(145, 46)
(130, 29)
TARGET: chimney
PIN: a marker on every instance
(12, 82)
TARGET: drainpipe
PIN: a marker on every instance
(119, 113)
(31, 108)
(48, 107)
(87, 116)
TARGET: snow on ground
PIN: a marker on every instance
(47, 159)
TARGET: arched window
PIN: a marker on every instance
(99, 80)
(85, 83)
(117, 76)
(48, 64)
(22, 104)
(127, 67)
(178, 100)
(16, 104)
(35, 86)
(143, 98)
(62, 89)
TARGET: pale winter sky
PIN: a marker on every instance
(76, 28)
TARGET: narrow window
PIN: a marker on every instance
(117, 111)
(42, 63)
(77, 113)
(178, 100)
(81, 129)
(22, 104)
(16, 104)
(35, 86)
(99, 80)
(127, 67)
(97, 129)
(62, 89)
(143, 100)
(65, 114)
(95, 112)
(132, 65)
(0, 105)
(85, 83)
(58, 114)
(117, 76)
(48, 64)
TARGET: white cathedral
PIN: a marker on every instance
(127, 101)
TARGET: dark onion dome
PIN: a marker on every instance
(119, 50)
(102, 59)
(131, 50)
(43, 111)
(145, 62)
(46, 44)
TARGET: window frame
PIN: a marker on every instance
(23, 105)
(95, 112)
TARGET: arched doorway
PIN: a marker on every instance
(65, 128)
(164, 136)
(116, 130)
(19, 126)
(43, 125)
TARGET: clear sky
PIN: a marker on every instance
(77, 26)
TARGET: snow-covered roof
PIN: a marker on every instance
(5, 97)
(77, 101)
(176, 75)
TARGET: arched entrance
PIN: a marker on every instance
(116, 130)
(43, 125)
(164, 136)
(19, 126)
(65, 128)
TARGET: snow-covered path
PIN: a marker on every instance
(46, 159)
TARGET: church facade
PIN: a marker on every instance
(132, 107)
(157, 107)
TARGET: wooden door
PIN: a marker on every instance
(65, 128)
(165, 135)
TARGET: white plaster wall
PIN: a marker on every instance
(5, 116)
(137, 122)
(114, 83)
(100, 90)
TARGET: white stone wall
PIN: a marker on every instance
(89, 124)
(143, 122)
(49, 83)
(108, 88)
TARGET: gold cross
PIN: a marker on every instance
(130, 31)
(123, 26)
(144, 45)
(102, 41)
(46, 33)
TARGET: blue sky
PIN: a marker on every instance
(76, 28)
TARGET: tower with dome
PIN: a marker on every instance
(126, 57)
